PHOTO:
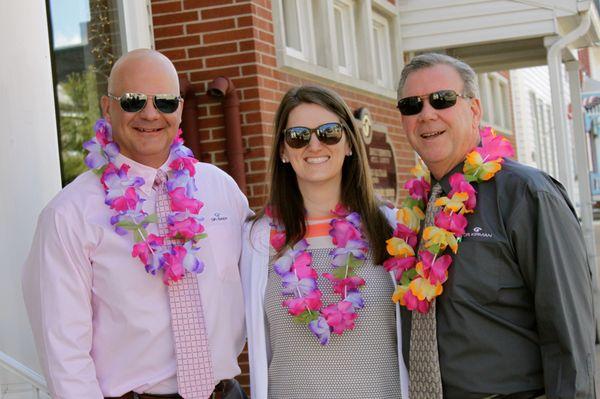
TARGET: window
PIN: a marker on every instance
(545, 146)
(505, 119)
(297, 24)
(495, 98)
(348, 42)
(292, 25)
(486, 101)
(343, 14)
(382, 49)
(535, 123)
(87, 38)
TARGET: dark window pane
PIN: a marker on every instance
(86, 43)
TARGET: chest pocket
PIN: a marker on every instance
(223, 248)
(485, 272)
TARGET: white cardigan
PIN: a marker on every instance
(254, 271)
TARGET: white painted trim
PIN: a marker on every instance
(495, 96)
(304, 21)
(348, 39)
(325, 40)
(320, 73)
(385, 57)
(135, 23)
(386, 7)
(486, 34)
(364, 38)
(23, 372)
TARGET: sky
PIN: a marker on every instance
(67, 16)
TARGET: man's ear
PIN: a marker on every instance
(476, 111)
(180, 111)
(105, 105)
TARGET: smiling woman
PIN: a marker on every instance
(318, 166)
(317, 248)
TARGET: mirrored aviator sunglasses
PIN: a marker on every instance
(328, 133)
(135, 102)
(441, 99)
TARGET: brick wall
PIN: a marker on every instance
(208, 38)
(584, 61)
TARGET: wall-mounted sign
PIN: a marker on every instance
(380, 154)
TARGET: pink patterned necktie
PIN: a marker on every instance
(195, 378)
(424, 361)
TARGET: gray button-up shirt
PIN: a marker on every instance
(516, 313)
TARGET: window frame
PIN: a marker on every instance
(304, 21)
(135, 31)
(136, 19)
(348, 39)
(384, 52)
(322, 65)
(495, 97)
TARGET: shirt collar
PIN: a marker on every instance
(146, 172)
(445, 180)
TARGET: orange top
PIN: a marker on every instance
(316, 227)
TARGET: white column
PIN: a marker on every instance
(563, 147)
(29, 162)
(581, 160)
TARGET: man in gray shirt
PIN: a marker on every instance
(515, 319)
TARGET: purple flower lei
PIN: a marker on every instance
(299, 278)
(124, 196)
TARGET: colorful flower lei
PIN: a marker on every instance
(299, 278)
(420, 279)
(124, 196)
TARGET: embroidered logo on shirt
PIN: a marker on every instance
(478, 232)
(218, 217)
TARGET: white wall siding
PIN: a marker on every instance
(524, 82)
(446, 23)
(29, 163)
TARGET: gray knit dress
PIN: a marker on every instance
(361, 363)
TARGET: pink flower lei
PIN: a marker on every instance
(299, 278)
(123, 195)
(420, 278)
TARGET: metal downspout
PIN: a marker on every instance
(223, 89)
(581, 161)
(189, 116)
(559, 115)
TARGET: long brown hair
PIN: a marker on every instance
(357, 192)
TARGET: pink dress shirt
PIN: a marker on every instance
(102, 324)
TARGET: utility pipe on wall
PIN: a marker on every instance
(224, 89)
(189, 117)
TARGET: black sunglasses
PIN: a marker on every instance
(438, 99)
(327, 133)
(135, 102)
